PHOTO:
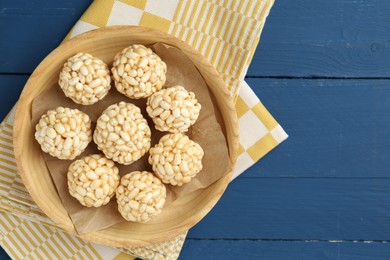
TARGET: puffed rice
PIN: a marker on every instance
(176, 159)
(140, 196)
(173, 109)
(85, 79)
(63, 132)
(138, 72)
(92, 180)
(122, 133)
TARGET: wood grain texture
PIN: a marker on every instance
(330, 168)
(329, 180)
(300, 208)
(284, 250)
(336, 38)
(331, 122)
(104, 43)
(337, 128)
(30, 30)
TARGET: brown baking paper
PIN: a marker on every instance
(206, 131)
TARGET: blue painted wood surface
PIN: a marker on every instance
(334, 38)
(284, 250)
(322, 69)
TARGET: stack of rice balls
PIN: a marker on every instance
(122, 134)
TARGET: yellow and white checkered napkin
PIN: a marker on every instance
(226, 32)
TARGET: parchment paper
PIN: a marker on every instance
(206, 131)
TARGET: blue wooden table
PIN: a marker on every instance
(323, 70)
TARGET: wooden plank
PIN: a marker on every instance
(281, 250)
(300, 208)
(29, 30)
(329, 180)
(334, 38)
(284, 250)
(337, 128)
(10, 88)
(309, 207)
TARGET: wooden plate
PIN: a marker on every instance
(188, 210)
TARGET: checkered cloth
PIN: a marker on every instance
(226, 33)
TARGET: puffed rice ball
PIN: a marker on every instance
(122, 133)
(63, 132)
(140, 196)
(92, 180)
(138, 72)
(176, 159)
(85, 79)
(173, 109)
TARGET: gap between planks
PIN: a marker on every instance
(293, 240)
(316, 77)
(251, 77)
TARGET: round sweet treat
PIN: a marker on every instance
(138, 72)
(140, 196)
(176, 159)
(92, 180)
(122, 133)
(173, 109)
(85, 79)
(63, 132)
